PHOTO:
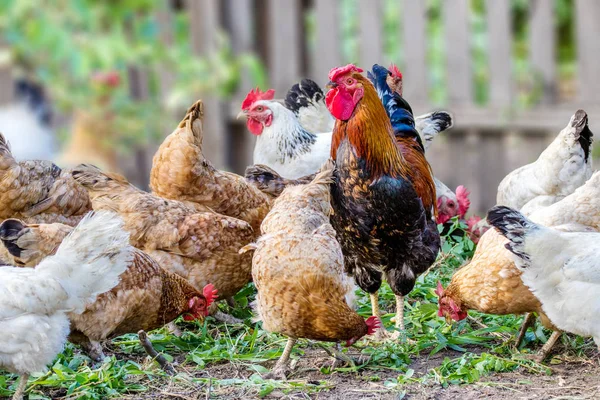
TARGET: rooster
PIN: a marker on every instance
(383, 196)
(294, 138)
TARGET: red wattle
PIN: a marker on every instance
(340, 104)
(254, 126)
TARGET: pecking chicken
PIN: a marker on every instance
(294, 139)
(383, 195)
(38, 191)
(560, 169)
(147, 297)
(298, 271)
(491, 283)
(202, 247)
(561, 268)
(35, 302)
(180, 172)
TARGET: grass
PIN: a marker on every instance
(484, 343)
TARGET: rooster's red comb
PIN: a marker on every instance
(462, 196)
(256, 95)
(440, 289)
(395, 71)
(339, 71)
(210, 294)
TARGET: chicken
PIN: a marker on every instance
(298, 271)
(35, 301)
(491, 283)
(383, 195)
(201, 247)
(561, 268)
(560, 169)
(39, 191)
(180, 172)
(294, 139)
(146, 298)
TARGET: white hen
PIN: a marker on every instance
(34, 302)
(560, 169)
(561, 268)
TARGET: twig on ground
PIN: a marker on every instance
(165, 365)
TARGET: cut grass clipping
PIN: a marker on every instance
(212, 358)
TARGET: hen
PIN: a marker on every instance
(38, 191)
(35, 302)
(560, 169)
(180, 172)
(490, 282)
(202, 247)
(299, 274)
(383, 195)
(147, 297)
(561, 268)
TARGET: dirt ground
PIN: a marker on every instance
(569, 380)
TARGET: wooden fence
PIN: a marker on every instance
(487, 141)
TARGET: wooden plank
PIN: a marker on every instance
(588, 52)
(284, 44)
(499, 51)
(458, 52)
(204, 26)
(240, 25)
(327, 52)
(371, 35)
(542, 43)
(414, 71)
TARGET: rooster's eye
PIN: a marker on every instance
(259, 108)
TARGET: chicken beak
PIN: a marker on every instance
(331, 85)
(242, 114)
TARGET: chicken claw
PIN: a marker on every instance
(280, 369)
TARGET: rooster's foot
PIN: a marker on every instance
(226, 318)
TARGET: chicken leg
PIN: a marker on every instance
(548, 346)
(528, 322)
(21, 388)
(279, 370)
(382, 333)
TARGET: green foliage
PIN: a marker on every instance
(68, 42)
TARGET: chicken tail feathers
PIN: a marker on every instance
(90, 259)
(325, 175)
(5, 153)
(582, 130)
(193, 121)
(268, 181)
(513, 226)
(303, 94)
(432, 124)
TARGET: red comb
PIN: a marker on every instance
(440, 289)
(210, 294)
(462, 196)
(395, 71)
(373, 323)
(337, 72)
(256, 95)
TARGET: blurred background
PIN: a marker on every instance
(105, 81)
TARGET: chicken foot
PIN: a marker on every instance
(280, 368)
(528, 322)
(226, 318)
(382, 333)
(545, 350)
(21, 388)
(147, 345)
(339, 358)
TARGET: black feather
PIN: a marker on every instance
(513, 226)
(580, 122)
(10, 231)
(302, 94)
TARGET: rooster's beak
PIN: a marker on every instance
(331, 85)
(242, 114)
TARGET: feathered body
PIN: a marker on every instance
(202, 247)
(561, 268)
(560, 169)
(38, 191)
(383, 194)
(180, 172)
(35, 302)
(147, 297)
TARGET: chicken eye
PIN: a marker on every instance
(259, 108)
(349, 81)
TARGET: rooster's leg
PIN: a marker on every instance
(399, 318)
(528, 322)
(548, 346)
(21, 388)
(279, 370)
(375, 304)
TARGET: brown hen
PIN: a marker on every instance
(147, 297)
(180, 172)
